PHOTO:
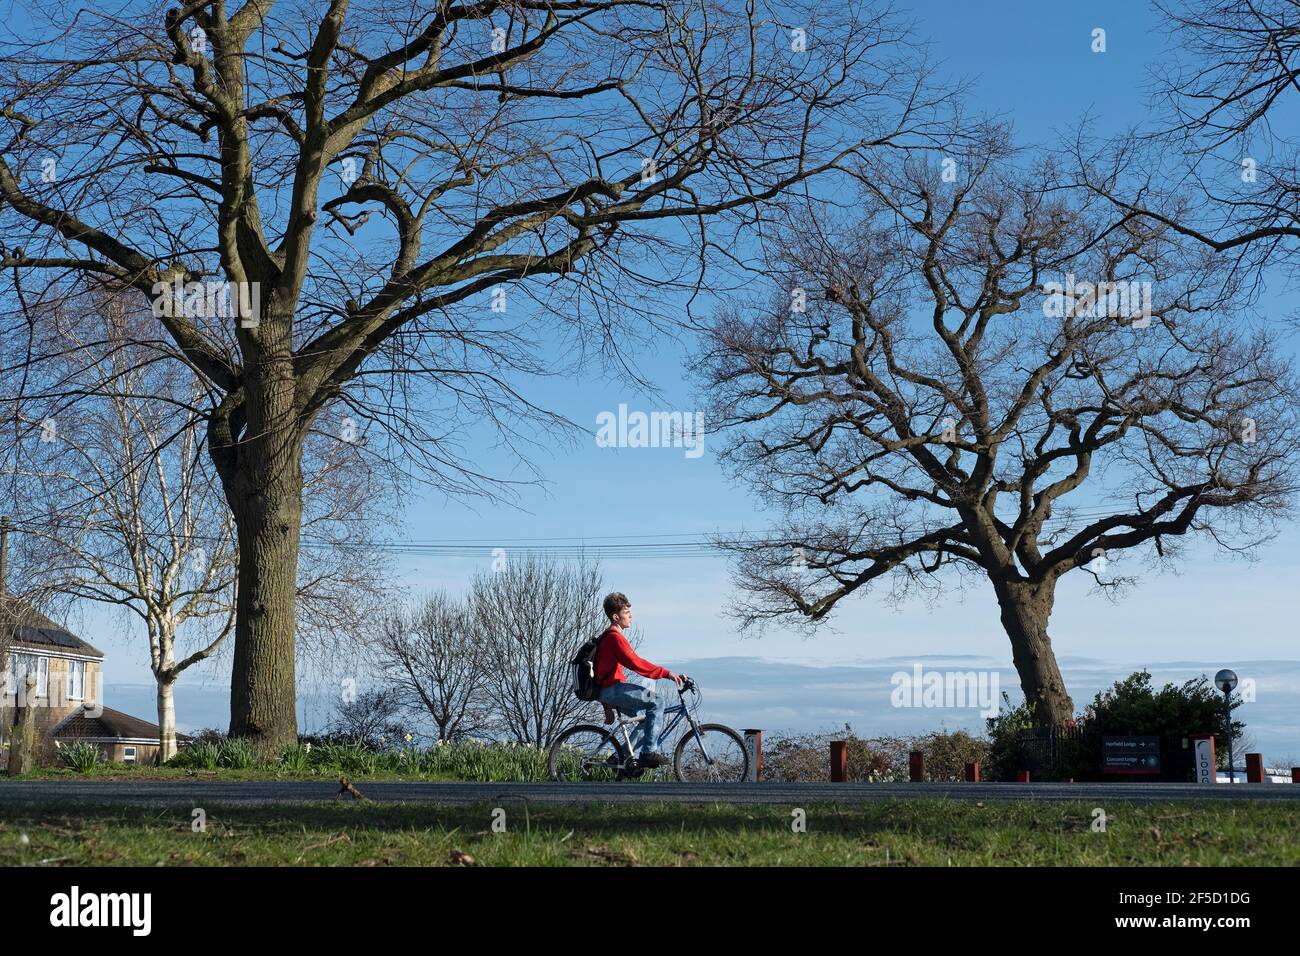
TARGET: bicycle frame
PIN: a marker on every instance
(676, 712)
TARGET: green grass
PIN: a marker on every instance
(236, 760)
(894, 833)
(256, 772)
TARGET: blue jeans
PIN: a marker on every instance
(631, 699)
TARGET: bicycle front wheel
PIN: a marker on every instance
(585, 753)
(711, 754)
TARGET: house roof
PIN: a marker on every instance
(109, 724)
(31, 628)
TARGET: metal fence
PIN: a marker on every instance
(1041, 749)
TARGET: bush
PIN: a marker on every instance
(1007, 733)
(357, 759)
(805, 758)
(237, 754)
(208, 735)
(948, 752)
(471, 760)
(406, 761)
(296, 759)
(197, 755)
(370, 718)
(1130, 707)
(353, 757)
(81, 757)
(1174, 713)
(464, 760)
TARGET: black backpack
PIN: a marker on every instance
(583, 664)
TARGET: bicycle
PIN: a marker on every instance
(711, 753)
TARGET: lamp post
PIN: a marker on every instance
(1226, 680)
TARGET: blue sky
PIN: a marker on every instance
(1032, 64)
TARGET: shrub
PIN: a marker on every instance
(237, 754)
(488, 762)
(296, 758)
(805, 758)
(405, 761)
(1007, 732)
(948, 752)
(81, 756)
(371, 718)
(208, 735)
(1173, 713)
(1130, 707)
(359, 760)
(354, 757)
(197, 755)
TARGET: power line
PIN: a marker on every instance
(647, 546)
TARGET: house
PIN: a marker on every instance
(69, 705)
(120, 737)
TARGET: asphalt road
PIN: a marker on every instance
(211, 792)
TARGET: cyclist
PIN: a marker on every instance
(612, 655)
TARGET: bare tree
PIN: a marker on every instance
(371, 718)
(991, 377)
(345, 574)
(436, 661)
(531, 616)
(1222, 166)
(123, 496)
(558, 150)
(124, 500)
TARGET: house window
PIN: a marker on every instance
(128, 755)
(20, 665)
(76, 680)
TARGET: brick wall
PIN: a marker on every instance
(56, 704)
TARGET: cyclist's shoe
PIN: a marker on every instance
(652, 759)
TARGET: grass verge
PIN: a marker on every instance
(117, 771)
(902, 833)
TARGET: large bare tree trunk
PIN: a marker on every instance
(266, 498)
(1026, 609)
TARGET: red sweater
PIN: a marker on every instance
(614, 652)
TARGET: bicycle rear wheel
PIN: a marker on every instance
(585, 753)
(713, 754)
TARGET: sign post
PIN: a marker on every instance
(1139, 756)
(1206, 769)
(754, 747)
